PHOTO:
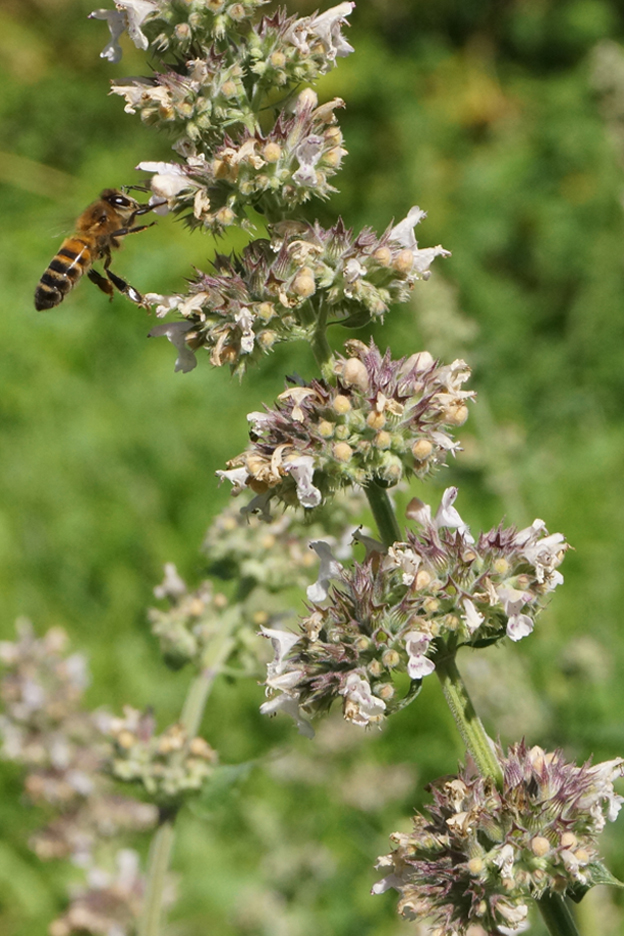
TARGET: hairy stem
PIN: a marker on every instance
(556, 915)
(384, 515)
(190, 719)
(468, 722)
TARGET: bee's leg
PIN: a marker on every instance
(101, 282)
(133, 294)
(132, 230)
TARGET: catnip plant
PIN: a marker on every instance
(252, 145)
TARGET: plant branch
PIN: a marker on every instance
(190, 718)
(384, 514)
(468, 722)
(556, 915)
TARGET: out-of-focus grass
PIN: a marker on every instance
(481, 113)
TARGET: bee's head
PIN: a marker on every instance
(118, 200)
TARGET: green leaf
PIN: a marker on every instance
(597, 873)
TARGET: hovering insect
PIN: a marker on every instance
(98, 230)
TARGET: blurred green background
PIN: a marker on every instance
(499, 119)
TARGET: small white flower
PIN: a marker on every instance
(244, 319)
(172, 586)
(302, 470)
(473, 619)
(129, 16)
(353, 270)
(164, 304)
(361, 706)
(401, 556)
(403, 234)
(308, 154)
(289, 705)
(282, 643)
(328, 570)
(326, 26)
(419, 665)
(505, 861)
(168, 180)
(236, 476)
(176, 333)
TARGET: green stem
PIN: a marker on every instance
(320, 345)
(384, 515)
(556, 915)
(158, 864)
(468, 722)
(190, 719)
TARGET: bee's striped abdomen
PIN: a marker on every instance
(73, 259)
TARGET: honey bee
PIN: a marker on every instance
(98, 230)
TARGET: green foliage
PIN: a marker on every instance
(483, 114)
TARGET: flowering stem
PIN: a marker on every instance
(557, 916)
(468, 722)
(384, 515)
(190, 719)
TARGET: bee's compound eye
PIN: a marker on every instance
(121, 201)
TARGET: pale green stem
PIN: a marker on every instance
(384, 515)
(556, 915)
(468, 722)
(190, 719)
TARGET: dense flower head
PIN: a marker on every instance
(379, 419)
(222, 75)
(168, 766)
(110, 903)
(46, 729)
(273, 171)
(481, 853)
(173, 27)
(394, 612)
(190, 622)
(275, 553)
(271, 292)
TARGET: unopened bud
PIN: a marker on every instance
(200, 748)
(404, 261)
(500, 566)
(228, 88)
(540, 846)
(333, 157)
(568, 840)
(265, 311)
(391, 658)
(225, 216)
(326, 429)
(385, 691)
(272, 152)
(304, 284)
(423, 579)
(342, 451)
(277, 59)
(354, 374)
(376, 420)
(383, 256)
(341, 404)
(307, 99)
(383, 440)
(422, 450)
(125, 739)
(456, 415)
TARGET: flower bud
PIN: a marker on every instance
(354, 374)
(342, 451)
